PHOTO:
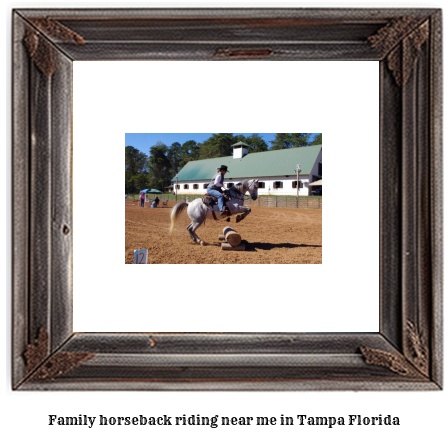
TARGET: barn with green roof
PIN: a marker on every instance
(275, 169)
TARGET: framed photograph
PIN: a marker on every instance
(256, 175)
(404, 354)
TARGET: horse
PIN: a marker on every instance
(198, 212)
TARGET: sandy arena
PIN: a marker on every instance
(271, 235)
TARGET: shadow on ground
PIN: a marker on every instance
(253, 246)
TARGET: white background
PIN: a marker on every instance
(112, 98)
(421, 414)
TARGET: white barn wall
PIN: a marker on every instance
(315, 170)
(287, 188)
(268, 190)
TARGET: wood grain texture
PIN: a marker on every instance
(61, 201)
(391, 237)
(39, 197)
(20, 210)
(436, 195)
(406, 354)
(232, 236)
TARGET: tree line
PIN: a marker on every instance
(157, 170)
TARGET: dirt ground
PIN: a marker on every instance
(271, 235)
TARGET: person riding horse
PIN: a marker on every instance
(198, 211)
(215, 188)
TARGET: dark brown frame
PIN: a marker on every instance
(406, 354)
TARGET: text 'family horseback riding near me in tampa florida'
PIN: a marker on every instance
(217, 420)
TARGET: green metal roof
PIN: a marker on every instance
(260, 164)
(240, 143)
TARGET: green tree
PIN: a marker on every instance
(139, 182)
(218, 145)
(317, 139)
(159, 166)
(255, 143)
(135, 160)
(281, 141)
(179, 155)
(175, 155)
(189, 152)
(299, 140)
(135, 170)
(285, 141)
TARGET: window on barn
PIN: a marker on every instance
(177, 186)
(205, 186)
(230, 185)
(278, 184)
(185, 186)
(319, 171)
(261, 185)
(294, 184)
(195, 186)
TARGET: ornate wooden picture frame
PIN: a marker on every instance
(406, 353)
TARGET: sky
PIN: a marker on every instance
(144, 141)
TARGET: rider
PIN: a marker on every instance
(215, 188)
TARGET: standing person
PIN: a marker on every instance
(142, 199)
(157, 200)
(215, 188)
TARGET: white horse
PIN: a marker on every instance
(198, 212)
